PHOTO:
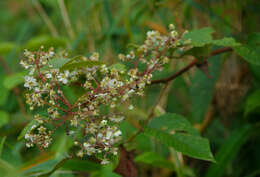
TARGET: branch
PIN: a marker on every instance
(190, 65)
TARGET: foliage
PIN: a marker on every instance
(117, 91)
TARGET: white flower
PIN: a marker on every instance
(103, 123)
(63, 77)
(104, 162)
(86, 145)
(117, 133)
(24, 64)
(49, 75)
(108, 135)
(131, 107)
(117, 119)
(30, 82)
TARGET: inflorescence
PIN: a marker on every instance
(94, 132)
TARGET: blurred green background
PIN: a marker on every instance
(224, 107)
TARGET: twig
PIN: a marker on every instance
(189, 66)
(46, 19)
(66, 19)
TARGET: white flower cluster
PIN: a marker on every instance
(103, 86)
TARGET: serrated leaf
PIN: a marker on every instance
(200, 37)
(154, 159)
(190, 145)
(119, 67)
(252, 102)
(46, 41)
(171, 122)
(250, 53)
(14, 80)
(226, 42)
(80, 64)
(29, 127)
(4, 118)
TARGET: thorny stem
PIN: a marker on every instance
(189, 66)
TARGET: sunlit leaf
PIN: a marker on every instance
(119, 67)
(226, 42)
(200, 37)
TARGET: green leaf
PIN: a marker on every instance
(6, 47)
(190, 145)
(81, 165)
(45, 168)
(200, 37)
(171, 122)
(58, 62)
(55, 167)
(228, 151)
(46, 41)
(4, 118)
(250, 53)
(80, 64)
(2, 141)
(154, 159)
(29, 127)
(119, 67)
(14, 80)
(73, 59)
(252, 102)
(202, 89)
(105, 171)
(226, 42)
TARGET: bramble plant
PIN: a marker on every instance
(108, 88)
(94, 131)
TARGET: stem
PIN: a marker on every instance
(46, 19)
(189, 66)
(66, 19)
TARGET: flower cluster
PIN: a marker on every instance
(104, 86)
